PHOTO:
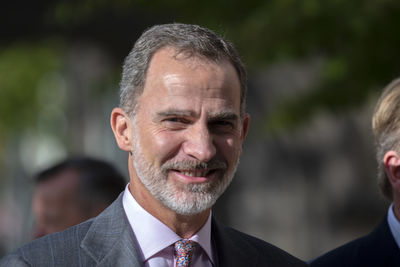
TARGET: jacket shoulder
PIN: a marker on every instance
(237, 245)
(345, 255)
(58, 249)
(375, 249)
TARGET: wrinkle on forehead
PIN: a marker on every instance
(167, 64)
(190, 81)
(198, 104)
(214, 86)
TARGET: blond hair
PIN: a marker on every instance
(386, 129)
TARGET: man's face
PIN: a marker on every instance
(187, 131)
(55, 205)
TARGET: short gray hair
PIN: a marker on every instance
(386, 128)
(184, 38)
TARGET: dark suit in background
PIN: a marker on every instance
(375, 249)
(108, 240)
(380, 247)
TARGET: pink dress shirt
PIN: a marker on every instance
(156, 240)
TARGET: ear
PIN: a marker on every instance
(122, 127)
(391, 161)
(245, 126)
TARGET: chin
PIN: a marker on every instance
(192, 201)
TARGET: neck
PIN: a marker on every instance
(183, 225)
(396, 208)
(187, 225)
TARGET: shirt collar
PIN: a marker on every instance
(394, 225)
(153, 236)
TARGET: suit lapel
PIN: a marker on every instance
(229, 251)
(109, 240)
(388, 250)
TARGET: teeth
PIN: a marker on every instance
(195, 173)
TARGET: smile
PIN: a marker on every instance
(195, 173)
(204, 173)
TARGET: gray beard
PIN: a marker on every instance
(184, 199)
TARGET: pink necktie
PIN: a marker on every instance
(183, 252)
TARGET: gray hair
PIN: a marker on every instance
(386, 128)
(192, 40)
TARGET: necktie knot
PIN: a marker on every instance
(184, 251)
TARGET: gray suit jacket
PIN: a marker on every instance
(107, 240)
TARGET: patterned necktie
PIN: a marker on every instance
(183, 252)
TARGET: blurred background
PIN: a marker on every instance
(307, 178)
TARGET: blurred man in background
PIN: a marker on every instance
(73, 191)
(380, 247)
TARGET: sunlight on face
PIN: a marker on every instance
(187, 131)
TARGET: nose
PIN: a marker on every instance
(199, 143)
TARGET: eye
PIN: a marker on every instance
(223, 126)
(175, 123)
(177, 120)
(224, 123)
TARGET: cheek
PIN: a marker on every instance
(161, 146)
(230, 148)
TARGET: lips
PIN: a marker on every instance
(194, 173)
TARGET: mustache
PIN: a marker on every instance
(194, 164)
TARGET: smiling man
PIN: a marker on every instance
(182, 119)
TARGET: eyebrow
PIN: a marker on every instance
(223, 115)
(174, 112)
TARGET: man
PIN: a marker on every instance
(73, 191)
(182, 119)
(381, 246)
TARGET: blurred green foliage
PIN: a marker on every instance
(22, 67)
(357, 41)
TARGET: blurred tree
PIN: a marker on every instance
(357, 39)
(22, 69)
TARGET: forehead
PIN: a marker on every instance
(176, 75)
